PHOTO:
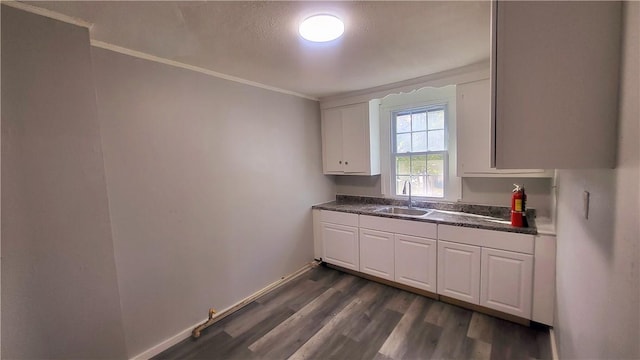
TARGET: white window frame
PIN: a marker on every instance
(423, 98)
(445, 152)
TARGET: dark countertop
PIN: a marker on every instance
(484, 217)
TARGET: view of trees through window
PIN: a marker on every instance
(420, 150)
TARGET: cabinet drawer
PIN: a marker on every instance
(487, 238)
(336, 217)
(406, 227)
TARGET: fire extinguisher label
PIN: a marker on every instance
(518, 205)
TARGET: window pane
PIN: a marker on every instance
(418, 165)
(419, 186)
(435, 186)
(436, 140)
(419, 141)
(403, 143)
(403, 123)
(435, 164)
(436, 119)
(400, 184)
(402, 165)
(419, 122)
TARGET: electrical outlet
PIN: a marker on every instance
(585, 204)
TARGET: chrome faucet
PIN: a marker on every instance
(404, 191)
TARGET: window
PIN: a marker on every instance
(418, 142)
(419, 150)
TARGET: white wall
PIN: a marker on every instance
(358, 185)
(210, 187)
(59, 291)
(497, 191)
(598, 282)
(125, 219)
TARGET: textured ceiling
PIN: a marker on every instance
(384, 41)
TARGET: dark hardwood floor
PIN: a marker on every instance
(327, 314)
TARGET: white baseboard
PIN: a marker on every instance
(554, 346)
(158, 348)
(184, 334)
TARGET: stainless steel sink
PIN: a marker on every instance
(404, 211)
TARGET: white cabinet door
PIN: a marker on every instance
(416, 262)
(507, 282)
(556, 75)
(376, 253)
(332, 140)
(473, 117)
(340, 244)
(459, 271)
(351, 139)
(355, 144)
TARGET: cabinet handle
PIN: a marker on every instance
(340, 162)
(346, 163)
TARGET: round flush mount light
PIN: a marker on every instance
(321, 28)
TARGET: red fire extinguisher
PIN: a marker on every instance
(518, 207)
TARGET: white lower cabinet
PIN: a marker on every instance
(415, 262)
(459, 271)
(403, 251)
(507, 282)
(339, 238)
(341, 245)
(489, 268)
(496, 279)
(376, 253)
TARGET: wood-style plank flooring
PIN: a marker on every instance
(327, 314)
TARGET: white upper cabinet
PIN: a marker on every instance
(351, 139)
(473, 102)
(555, 83)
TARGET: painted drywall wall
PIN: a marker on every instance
(497, 191)
(489, 191)
(358, 185)
(598, 259)
(59, 289)
(210, 187)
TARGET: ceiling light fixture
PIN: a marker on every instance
(321, 28)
